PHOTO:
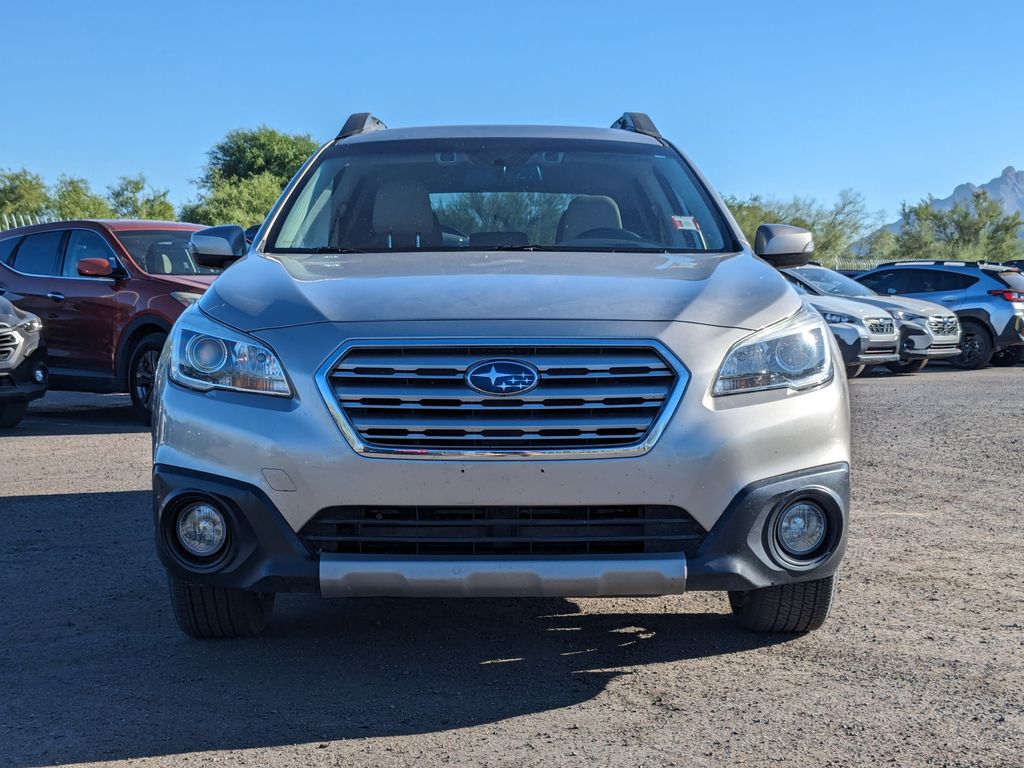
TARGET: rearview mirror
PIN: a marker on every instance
(217, 247)
(783, 246)
(95, 268)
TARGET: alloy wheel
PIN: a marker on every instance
(145, 377)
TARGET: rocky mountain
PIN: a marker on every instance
(1007, 188)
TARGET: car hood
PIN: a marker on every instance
(917, 306)
(731, 290)
(845, 306)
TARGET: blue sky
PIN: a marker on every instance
(778, 98)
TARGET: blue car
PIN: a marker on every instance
(987, 298)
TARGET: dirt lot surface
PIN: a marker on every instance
(922, 662)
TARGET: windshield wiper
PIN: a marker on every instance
(533, 247)
(334, 249)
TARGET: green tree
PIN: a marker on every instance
(73, 199)
(534, 213)
(972, 230)
(132, 198)
(244, 202)
(244, 153)
(244, 175)
(881, 246)
(22, 192)
(838, 228)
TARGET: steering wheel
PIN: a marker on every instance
(608, 233)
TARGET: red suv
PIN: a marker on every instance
(107, 293)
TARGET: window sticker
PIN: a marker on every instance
(690, 224)
(685, 222)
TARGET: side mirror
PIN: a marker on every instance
(783, 246)
(95, 268)
(251, 232)
(217, 247)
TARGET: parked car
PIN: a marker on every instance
(928, 331)
(866, 335)
(22, 362)
(988, 299)
(614, 398)
(108, 293)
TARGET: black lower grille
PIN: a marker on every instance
(576, 530)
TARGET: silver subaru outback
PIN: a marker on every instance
(500, 361)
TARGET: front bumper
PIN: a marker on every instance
(277, 462)
(264, 554)
(862, 347)
(20, 383)
(919, 342)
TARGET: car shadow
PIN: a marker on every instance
(88, 415)
(94, 668)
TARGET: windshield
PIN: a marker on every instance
(162, 251)
(829, 281)
(458, 194)
(1014, 280)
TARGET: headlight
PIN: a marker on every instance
(902, 314)
(206, 355)
(186, 298)
(832, 318)
(793, 354)
(30, 324)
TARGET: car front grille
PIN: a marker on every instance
(880, 324)
(943, 326)
(411, 398)
(8, 345)
(467, 531)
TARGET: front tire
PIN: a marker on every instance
(853, 371)
(142, 375)
(219, 612)
(908, 366)
(976, 347)
(799, 607)
(12, 412)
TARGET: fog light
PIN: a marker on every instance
(201, 529)
(801, 528)
(39, 375)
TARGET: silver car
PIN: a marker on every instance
(23, 372)
(927, 331)
(866, 335)
(596, 389)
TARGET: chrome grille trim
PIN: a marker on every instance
(880, 324)
(9, 343)
(598, 398)
(941, 325)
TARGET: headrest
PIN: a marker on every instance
(588, 212)
(402, 209)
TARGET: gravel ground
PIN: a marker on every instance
(922, 662)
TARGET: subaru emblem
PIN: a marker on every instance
(502, 377)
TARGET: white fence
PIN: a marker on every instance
(12, 220)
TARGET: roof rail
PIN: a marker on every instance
(360, 122)
(638, 122)
(942, 263)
